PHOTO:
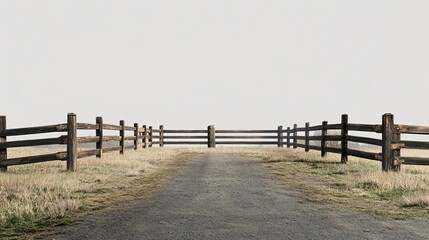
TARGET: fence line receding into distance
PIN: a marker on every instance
(143, 137)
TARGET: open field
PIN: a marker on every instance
(38, 196)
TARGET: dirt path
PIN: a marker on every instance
(221, 196)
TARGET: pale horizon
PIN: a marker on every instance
(233, 64)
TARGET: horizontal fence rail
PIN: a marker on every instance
(33, 130)
(33, 143)
(242, 137)
(246, 131)
(326, 138)
(413, 129)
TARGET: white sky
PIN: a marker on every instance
(235, 64)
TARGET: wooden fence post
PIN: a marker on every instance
(280, 136)
(389, 136)
(397, 152)
(295, 133)
(144, 136)
(307, 132)
(99, 133)
(161, 136)
(122, 134)
(288, 137)
(71, 142)
(213, 136)
(211, 132)
(323, 140)
(136, 135)
(344, 133)
(3, 152)
(150, 136)
(209, 135)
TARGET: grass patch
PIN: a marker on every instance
(419, 200)
(359, 184)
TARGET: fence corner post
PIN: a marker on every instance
(3, 152)
(307, 133)
(99, 133)
(122, 135)
(295, 134)
(161, 136)
(71, 142)
(136, 135)
(280, 136)
(344, 133)
(389, 136)
(323, 140)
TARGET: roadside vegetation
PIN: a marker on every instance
(359, 184)
(36, 197)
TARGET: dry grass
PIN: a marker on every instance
(37, 195)
(416, 201)
(392, 194)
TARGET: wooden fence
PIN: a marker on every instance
(296, 137)
(71, 140)
(301, 137)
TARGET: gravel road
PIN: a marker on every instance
(221, 196)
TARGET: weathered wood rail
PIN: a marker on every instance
(144, 137)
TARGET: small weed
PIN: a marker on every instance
(392, 194)
(368, 185)
(339, 172)
(342, 186)
(64, 221)
(101, 190)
